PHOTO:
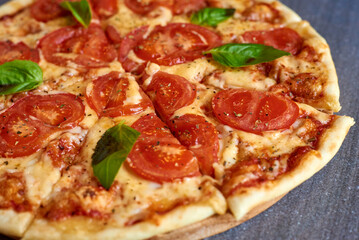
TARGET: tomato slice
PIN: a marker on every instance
(108, 93)
(171, 92)
(27, 123)
(284, 39)
(105, 8)
(157, 155)
(187, 6)
(173, 44)
(10, 51)
(262, 12)
(46, 10)
(87, 47)
(254, 111)
(177, 6)
(200, 136)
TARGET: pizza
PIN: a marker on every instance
(152, 119)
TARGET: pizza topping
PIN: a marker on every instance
(177, 6)
(212, 16)
(86, 47)
(63, 151)
(242, 54)
(111, 151)
(254, 111)
(262, 12)
(10, 51)
(46, 10)
(157, 155)
(32, 119)
(284, 39)
(19, 76)
(105, 8)
(170, 93)
(13, 192)
(81, 10)
(173, 44)
(108, 95)
(200, 137)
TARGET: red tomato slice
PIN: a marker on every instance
(108, 93)
(160, 158)
(284, 39)
(200, 137)
(86, 47)
(173, 44)
(254, 111)
(177, 6)
(263, 12)
(171, 92)
(187, 6)
(152, 129)
(105, 8)
(10, 51)
(27, 123)
(46, 10)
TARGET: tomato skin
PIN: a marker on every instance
(200, 136)
(172, 44)
(10, 51)
(262, 12)
(254, 111)
(27, 123)
(105, 8)
(157, 155)
(108, 93)
(46, 10)
(90, 46)
(171, 92)
(177, 6)
(284, 39)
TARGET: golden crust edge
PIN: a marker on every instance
(13, 223)
(242, 202)
(14, 6)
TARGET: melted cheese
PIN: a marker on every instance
(133, 95)
(125, 20)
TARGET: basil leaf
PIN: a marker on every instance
(18, 76)
(80, 10)
(245, 54)
(111, 151)
(211, 16)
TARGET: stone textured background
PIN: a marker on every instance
(327, 205)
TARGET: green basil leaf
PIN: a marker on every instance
(211, 16)
(18, 76)
(245, 54)
(80, 10)
(111, 151)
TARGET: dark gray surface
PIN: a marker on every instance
(327, 205)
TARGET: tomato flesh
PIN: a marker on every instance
(200, 136)
(172, 44)
(86, 47)
(172, 92)
(177, 6)
(254, 111)
(157, 155)
(284, 39)
(108, 94)
(27, 123)
(10, 51)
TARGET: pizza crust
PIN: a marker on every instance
(90, 229)
(14, 6)
(241, 203)
(13, 223)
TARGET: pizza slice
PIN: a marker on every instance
(258, 145)
(158, 189)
